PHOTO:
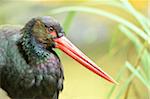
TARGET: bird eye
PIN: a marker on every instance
(50, 29)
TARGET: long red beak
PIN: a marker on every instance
(66, 46)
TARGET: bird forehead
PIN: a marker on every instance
(49, 21)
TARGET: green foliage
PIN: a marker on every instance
(68, 21)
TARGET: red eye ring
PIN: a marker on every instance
(53, 33)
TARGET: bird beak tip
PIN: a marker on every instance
(115, 82)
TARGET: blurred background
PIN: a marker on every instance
(113, 33)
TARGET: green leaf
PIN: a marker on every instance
(68, 21)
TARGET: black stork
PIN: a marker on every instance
(29, 67)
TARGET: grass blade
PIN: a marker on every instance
(132, 37)
(139, 46)
(136, 14)
(122, 70)
(68, 21)
(126, 84)
(136, 73)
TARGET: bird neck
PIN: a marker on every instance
(33, 52)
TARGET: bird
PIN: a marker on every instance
(29, 66)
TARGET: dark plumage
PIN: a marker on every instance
(28, 67)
